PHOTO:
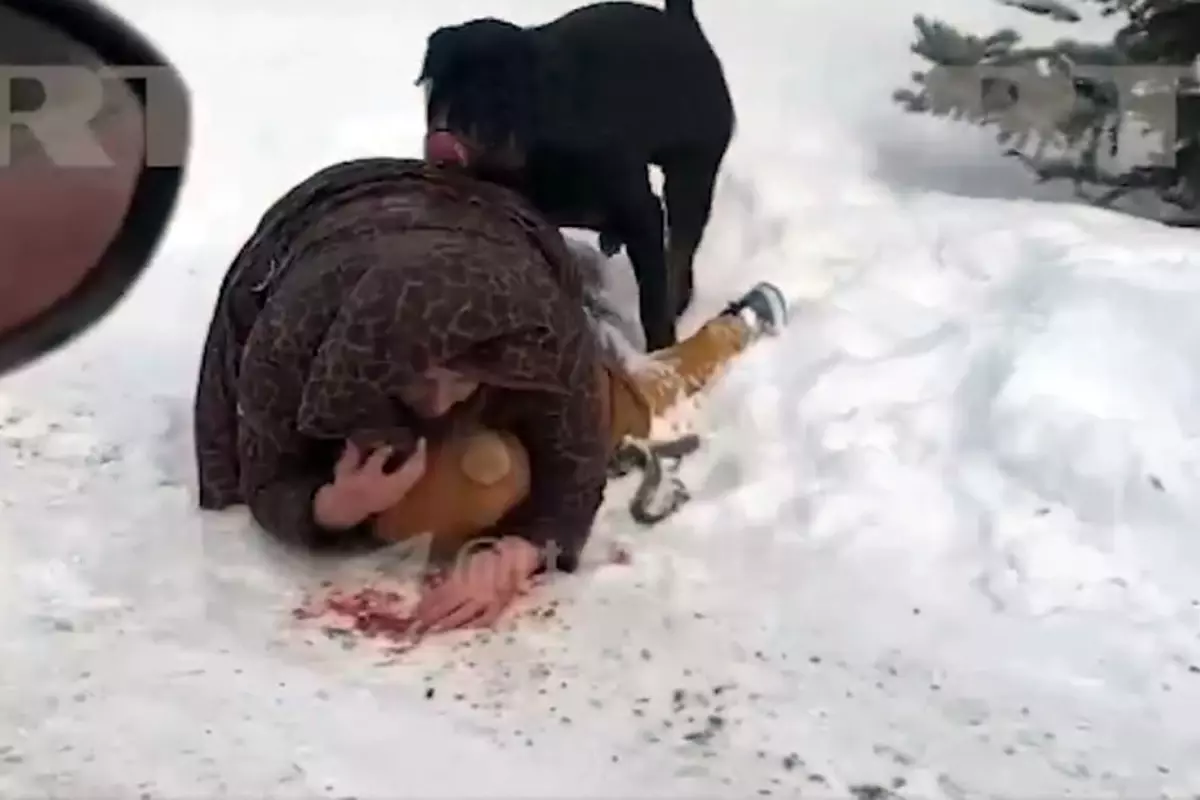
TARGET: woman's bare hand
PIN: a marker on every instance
(361, 488)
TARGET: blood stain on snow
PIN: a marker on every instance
(370, 612)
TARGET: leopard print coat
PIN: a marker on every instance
(357, 280)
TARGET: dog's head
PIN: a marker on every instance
(480, 95)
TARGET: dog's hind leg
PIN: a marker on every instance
(689, 181)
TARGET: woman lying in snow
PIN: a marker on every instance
(402, 350)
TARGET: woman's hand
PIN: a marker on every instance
(361, 488)
(479, 588)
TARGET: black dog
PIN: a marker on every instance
(573, 113)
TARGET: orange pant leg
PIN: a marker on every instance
(688, 368)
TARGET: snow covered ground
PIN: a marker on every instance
(946, 533)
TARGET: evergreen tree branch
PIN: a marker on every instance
(1157, 32)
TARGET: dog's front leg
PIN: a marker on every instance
(641, 228)
(656, 304)
(654, 289)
